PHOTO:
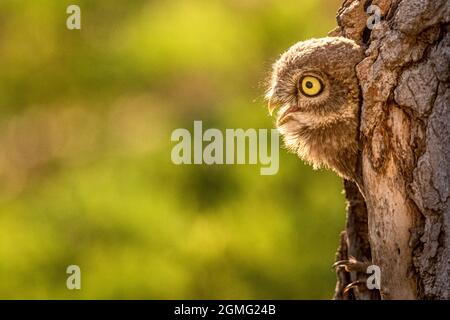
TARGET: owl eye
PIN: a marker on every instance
(310, 86)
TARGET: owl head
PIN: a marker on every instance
(315, 88)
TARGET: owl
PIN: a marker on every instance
(315, 89)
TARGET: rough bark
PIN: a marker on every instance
(354, 242)
(405, 138)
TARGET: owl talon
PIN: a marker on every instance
(354, 284)
(351, 265)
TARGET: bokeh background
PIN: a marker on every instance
(85, 170)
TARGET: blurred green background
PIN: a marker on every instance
(85, 170)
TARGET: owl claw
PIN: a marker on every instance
(351, 265)
(357, 288)
(354, 284)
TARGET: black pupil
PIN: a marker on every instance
(309, 84)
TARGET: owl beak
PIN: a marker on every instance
(272, 106)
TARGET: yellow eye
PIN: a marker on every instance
(310, 86)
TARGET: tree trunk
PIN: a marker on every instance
(403, 226)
